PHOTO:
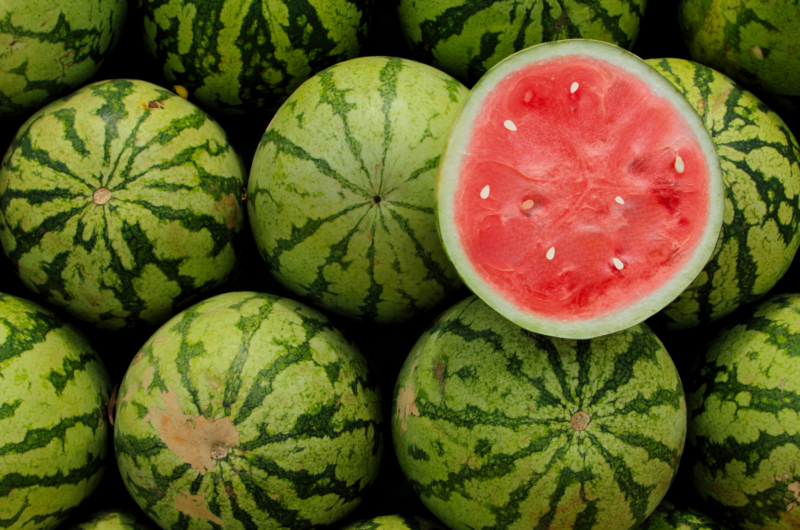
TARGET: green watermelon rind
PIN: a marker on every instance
(450, 167)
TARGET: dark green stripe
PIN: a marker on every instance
(7, 410)
(41, 437)
(12, 481)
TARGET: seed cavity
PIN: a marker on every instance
(527, 205)
(679, 167)
(101, 195)
(551, 253)
(620, 200)
(574, 87)
(485, 192)
(580, 420)
(510, 125)
(618, 264)
(758, 52)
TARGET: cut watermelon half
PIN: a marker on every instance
(579, 192)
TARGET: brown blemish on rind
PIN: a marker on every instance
(195, 506)
(192, 438)
(112, 405)
(406, 406)
(580, 420)
(229, 208)
(438, 369)
(101, 195)
(148, 376)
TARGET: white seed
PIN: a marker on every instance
(679, 167)
(758, 52)
(510, 125)
(485, 192)
(551, 253)
(527, 205)
(528, 96)
(619, 200)
(618, 264)
(573, 88)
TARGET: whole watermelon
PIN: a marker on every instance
(497, 427)
(54, 392)
(341, 192)
(667, 516)
(465, 38)
(755, 42)
(48, 49)
(112, 520)
(760, 160)
(744, 424)
(248, 411)
(394, 522)
(121, 203)
(244, 57)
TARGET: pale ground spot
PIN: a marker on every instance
(551, 253)
(510, 125)
(679, 167)
(485, 192)
(574, 87)
(618, 264)
(620, 200)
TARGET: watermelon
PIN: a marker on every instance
(465, 38)
(120, 203)
(579, 192)
(753, 41)
(48, 49)
(54, 391)
(760, 160)
(669, 517)
(394, 522)
(498, 427)
(112, 520)
(340, 197)
(238, 57)
(248, 411)
(744, 404)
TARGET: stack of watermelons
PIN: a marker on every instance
(423, 264)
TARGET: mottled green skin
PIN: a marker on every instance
(53, 436)
(111, 520)
(467, 37)
(483, 424)
(667, 517)
(760, 160)
(744, 402)
(722, 34)
(394, 522)
(293, 403)
(245, 56)
(170, 230)
(340, 197)
(48, 49)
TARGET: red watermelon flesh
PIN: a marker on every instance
(581, 190)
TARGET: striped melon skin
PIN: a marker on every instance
(341, 192)
(394, 522)
(752, 41)
(244, 56)
(498, 427)
(744, 402)
(120, 203)
(248, 411)
(53, 437)
(760, 160)
(467, 37)
(112, 520)
(669, 517)
(48, 49)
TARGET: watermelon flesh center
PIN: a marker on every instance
(582, 190)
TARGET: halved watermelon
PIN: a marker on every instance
(579, 192)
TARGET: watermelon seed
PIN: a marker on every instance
(551, 253)
(618, 264)
(758, 52)
(101, 195)
(679, 167)
(219, 451)
(619, 200)
(510, 125)
(485, 192)
(528, 96)
(580, 420)
(573, 88)
(527, 205)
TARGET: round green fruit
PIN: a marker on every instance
(248, 411)
(341, 192)
(669, 517)
(54, 394)
(394, 522)
(112, 520)
(121, 204)
(498, 427)
(48, 49)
